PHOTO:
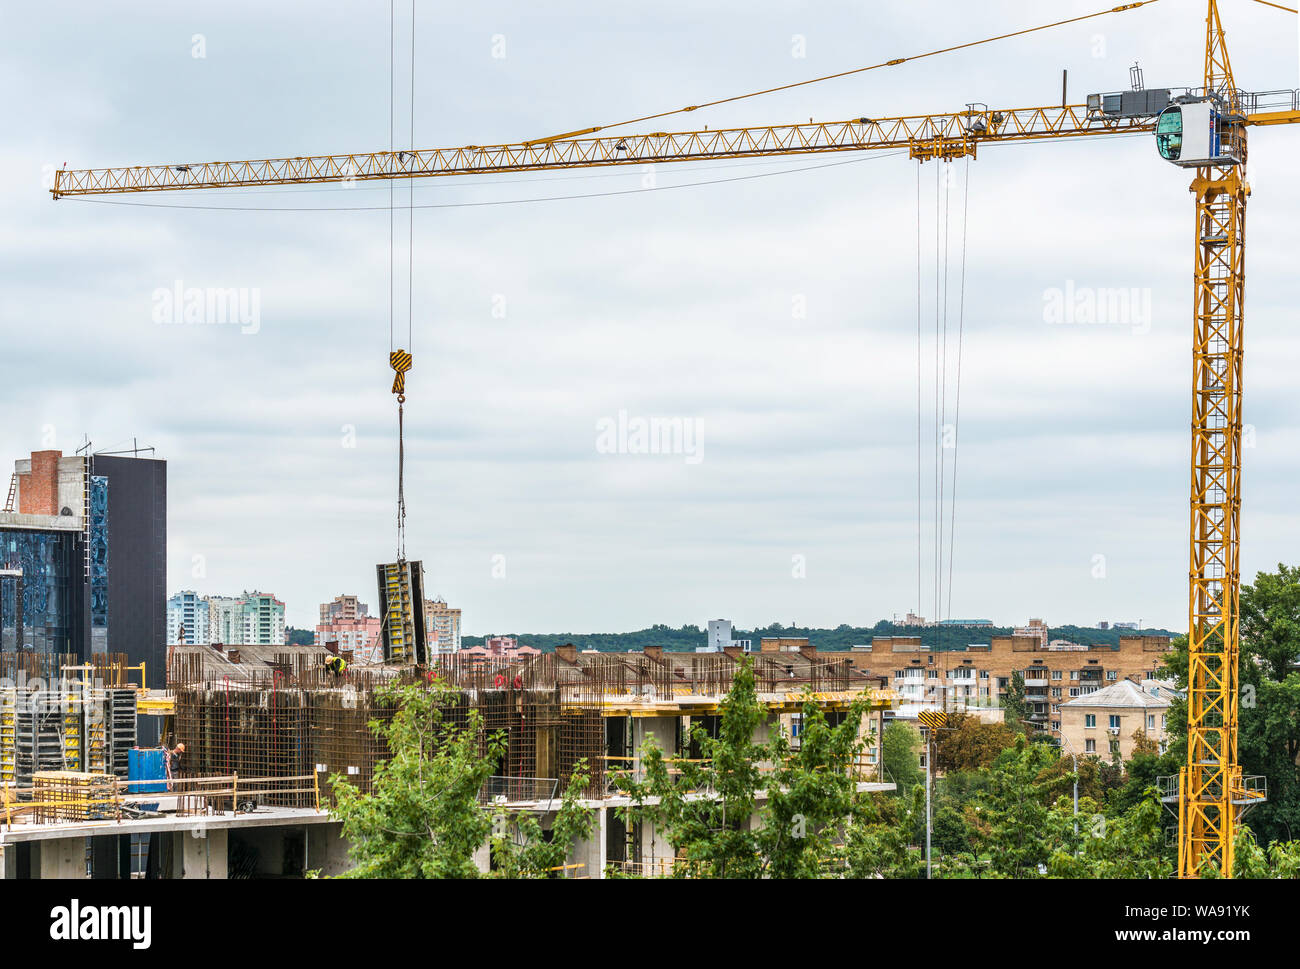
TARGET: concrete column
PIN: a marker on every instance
(656, 852)
(63, 858)
(327, 850)
(205, 856)
(590, 853)
(483, 857)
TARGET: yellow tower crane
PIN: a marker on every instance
(1201, 128)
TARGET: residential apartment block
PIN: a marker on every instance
(978, 676)
(1108, 722)
(187, 619)
(442, 624)
(252, 619)
(347, 627)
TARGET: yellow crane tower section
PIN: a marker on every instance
(1203, 128)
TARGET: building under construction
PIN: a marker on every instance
(266, 728)
(559, 713)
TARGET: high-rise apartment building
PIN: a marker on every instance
(263, 619)
(187, 619)
(252, 619)
(225, 620)
(443, 624)
(346, 626)
(343, 607)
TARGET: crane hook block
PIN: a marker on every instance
(400, 361)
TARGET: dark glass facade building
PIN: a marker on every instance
(99, 590)
(135, 587)
(42, 609)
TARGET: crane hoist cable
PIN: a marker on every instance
(400, 358)
(956, 420)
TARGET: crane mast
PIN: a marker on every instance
(1211, 788)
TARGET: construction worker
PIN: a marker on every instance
(336, 665)
(172, 763)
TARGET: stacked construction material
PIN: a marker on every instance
(8, 726)
(72, 796)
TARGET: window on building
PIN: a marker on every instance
(984, 691)
(984, 674)
(1114, 721)
(1074, 691)
(932, 674)
(1090, 746)
(1056, 692)
(1112, 675)
(1056, 674)
(1151, 721)
(1090, 720)
(1056, 725)
(1074, 674)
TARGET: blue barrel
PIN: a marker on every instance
(147, 765)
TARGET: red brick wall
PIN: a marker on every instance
(39, 491)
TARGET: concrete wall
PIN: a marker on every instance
(202, 857)
(63, 858)
(663, 729)
(327, 850)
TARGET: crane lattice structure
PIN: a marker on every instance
(1202, 127)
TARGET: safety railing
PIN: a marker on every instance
(506, 790)
(122, 800)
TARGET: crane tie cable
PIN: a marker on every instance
(830, 77)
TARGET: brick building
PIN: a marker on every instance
(978, 676)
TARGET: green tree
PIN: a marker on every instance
(523, 850)
(900, 753)
(423, 818)
(878, 841)
(1013, 821)
(712, 835)
(968, 743)
(809, 793)
(1269, 703)
(1097, 778)
(1270, 620)
(1015, 708)
(1280, 860)
(791, 830)
(1129, 845)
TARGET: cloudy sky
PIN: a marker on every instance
(776, 316)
